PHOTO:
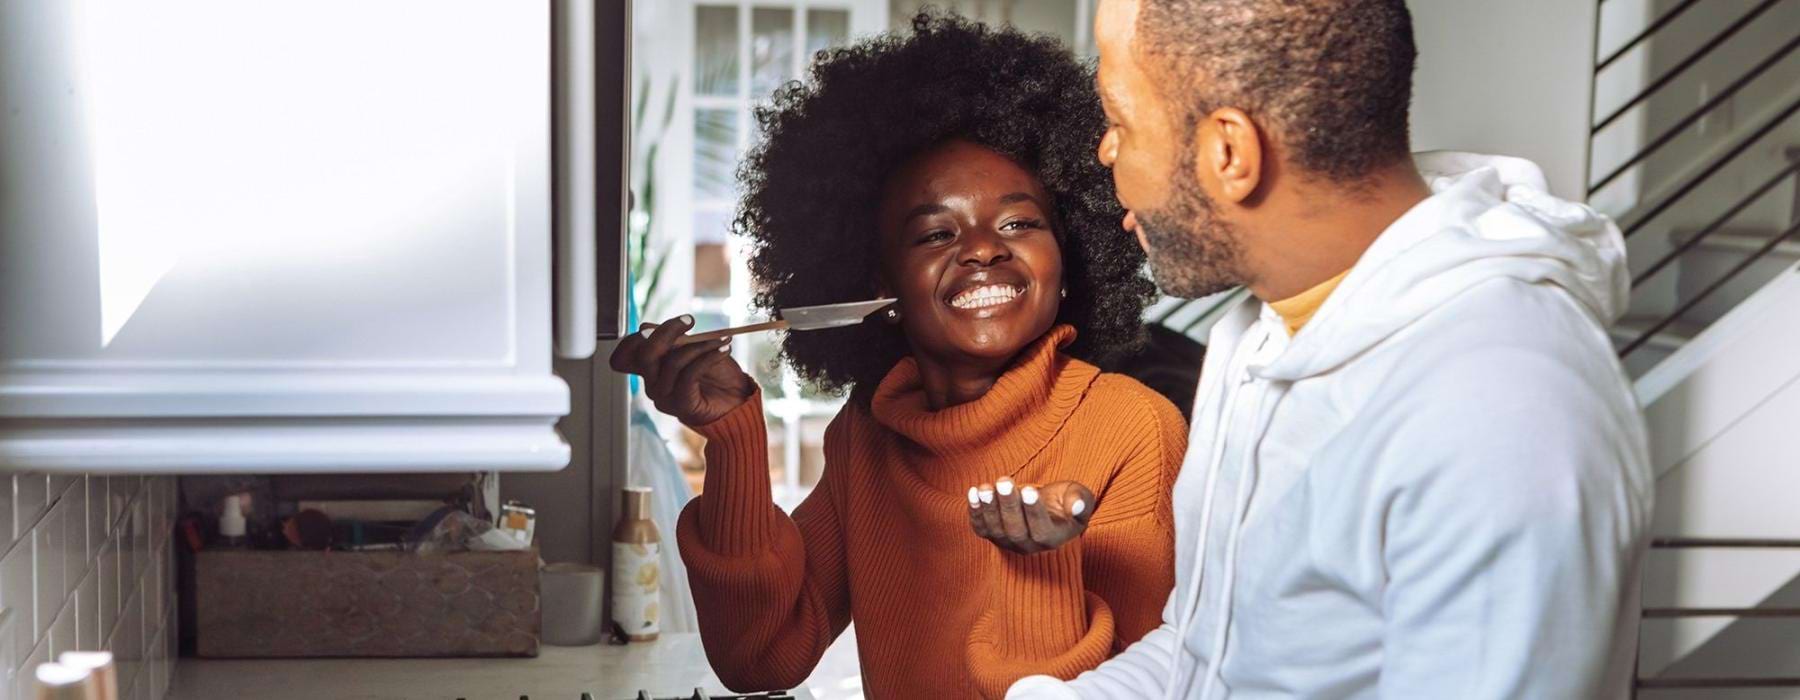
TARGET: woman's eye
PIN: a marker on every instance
(935, 236)
(1022, 225)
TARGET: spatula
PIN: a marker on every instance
(800, 318)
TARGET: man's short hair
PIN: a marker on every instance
(1331, 79)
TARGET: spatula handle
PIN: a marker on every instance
(736, 330)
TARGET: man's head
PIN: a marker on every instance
(1233, 119)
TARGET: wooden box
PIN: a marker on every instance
(274, 604)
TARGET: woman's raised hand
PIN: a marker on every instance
(697, 383)
(1028, 519)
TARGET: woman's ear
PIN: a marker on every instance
(891, 314)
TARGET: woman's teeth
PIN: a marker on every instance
(985, 296)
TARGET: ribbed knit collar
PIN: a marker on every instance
(997, 433)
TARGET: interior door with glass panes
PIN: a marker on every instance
(699, 69)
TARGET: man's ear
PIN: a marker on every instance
(1228, 158)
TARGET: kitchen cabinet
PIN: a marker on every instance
(290, 235)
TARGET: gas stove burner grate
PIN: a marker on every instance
(699, 694)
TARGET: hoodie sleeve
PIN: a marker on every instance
(1141, 671)
(1512, 530)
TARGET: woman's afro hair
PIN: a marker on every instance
(810, 189)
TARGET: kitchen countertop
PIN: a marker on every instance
(671, 666)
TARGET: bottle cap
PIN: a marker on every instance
(58, 682)
(636, 501)
(231, 523)
(100, 665)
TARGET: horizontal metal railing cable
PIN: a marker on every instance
(1666, 613)
(1715, 683)
(1230, 299)
(1715, 225)
(1660, 22)
(1689, 305)
(1688, 62)
(1700, 178)
(1722, 543)
(1163, 318)
(1672, 132)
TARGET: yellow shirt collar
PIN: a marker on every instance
(1296, 310)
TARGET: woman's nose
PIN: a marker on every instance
(984, 247)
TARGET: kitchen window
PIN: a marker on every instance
(701, 68)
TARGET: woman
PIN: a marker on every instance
(952, 170)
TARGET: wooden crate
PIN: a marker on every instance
(279, 604)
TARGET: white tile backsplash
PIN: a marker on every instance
(86, 559)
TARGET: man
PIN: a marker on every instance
(1416, 468)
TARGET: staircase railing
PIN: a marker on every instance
(1650, 210)
(1708, 170)
(1719, 682)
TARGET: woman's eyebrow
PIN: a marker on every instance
(1018, 197)
(923, 210)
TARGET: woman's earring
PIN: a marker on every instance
(1065, 292)
(891, 315)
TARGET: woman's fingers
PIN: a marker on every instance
(648, 355)
(976, 522)
(625, 356)
(990, 513)
(1079, 502)
(674, 373)
(1044, 532)
(1012, 517)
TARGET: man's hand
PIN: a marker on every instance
(697, 383)
(1030, 519)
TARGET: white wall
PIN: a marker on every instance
(1720, 413)
(1506, 77)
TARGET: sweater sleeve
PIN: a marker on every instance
(1063, 612)
(770, 590)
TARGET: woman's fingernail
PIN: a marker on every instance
(725, 347)
(1004, 486)
(1079, 507)
(974, 497)
(1029, 495)
(687, 319)
(987, 496)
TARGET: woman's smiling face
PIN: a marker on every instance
(969, 250)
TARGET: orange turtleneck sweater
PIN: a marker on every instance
(884, 540)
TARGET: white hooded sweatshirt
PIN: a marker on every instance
(1438, 488)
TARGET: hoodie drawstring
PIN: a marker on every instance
(1216, 657)
(1184, 614)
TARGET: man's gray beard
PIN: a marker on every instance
(1192, 253)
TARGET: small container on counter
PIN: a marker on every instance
(518, 521)
(636, 568)
(231, 524)
(572, 596)
(59, 682)
(99, 665)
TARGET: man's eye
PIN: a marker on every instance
(937, 236)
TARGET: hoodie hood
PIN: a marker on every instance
(1488, 217)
